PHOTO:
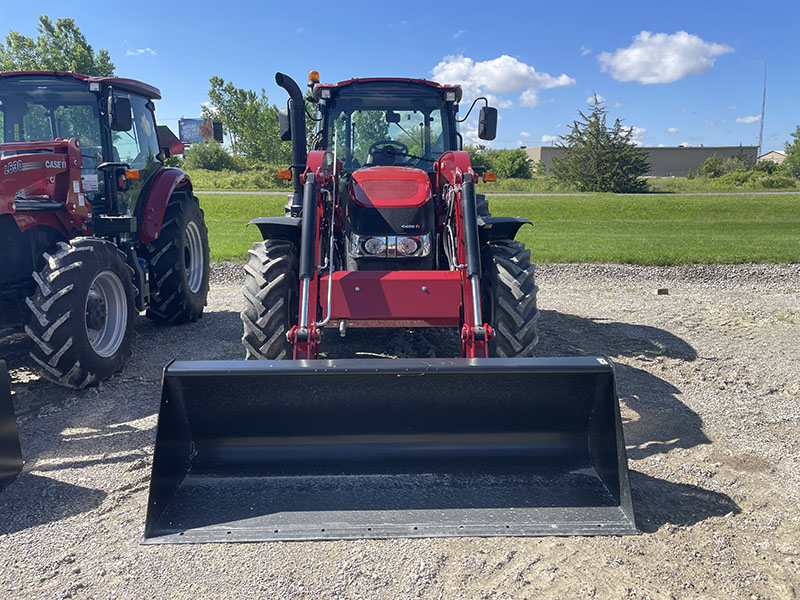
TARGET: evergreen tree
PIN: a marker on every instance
(598, 158)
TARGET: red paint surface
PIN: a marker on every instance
(391, 187)
(394, 296)
(166, 181)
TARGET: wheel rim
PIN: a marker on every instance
(106, 313)
(193, 257)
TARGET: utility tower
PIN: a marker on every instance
(763, 110)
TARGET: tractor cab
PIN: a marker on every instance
(112, 119)
(388, 134)
(388, 122)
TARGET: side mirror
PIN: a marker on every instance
(119, 113)
(392, 117)
(284, 125)
(487, 123)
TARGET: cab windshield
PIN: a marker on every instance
(41, 111)
(385, 125)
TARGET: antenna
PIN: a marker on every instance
(763, 110)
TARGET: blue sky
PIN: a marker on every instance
(680, 72)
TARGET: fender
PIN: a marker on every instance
(165, 183)
(285, 228)
(500, 228)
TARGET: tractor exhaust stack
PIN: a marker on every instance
(315, 449)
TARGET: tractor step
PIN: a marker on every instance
(255, 451)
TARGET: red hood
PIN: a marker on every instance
(390, 187)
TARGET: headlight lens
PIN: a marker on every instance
(375, 246)
(407, 246)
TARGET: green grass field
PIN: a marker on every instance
(647, 230)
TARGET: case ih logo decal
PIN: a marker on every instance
(17, 165)
(12, 167)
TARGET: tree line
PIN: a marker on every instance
(596, 156)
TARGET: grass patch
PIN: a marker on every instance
(227, 216)
(648, 230)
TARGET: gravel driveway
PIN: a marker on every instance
(709, 378)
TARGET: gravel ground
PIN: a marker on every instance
(709, 378)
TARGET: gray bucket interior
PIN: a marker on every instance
(298, 450)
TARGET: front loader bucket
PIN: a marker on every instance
(10, 454)
(305, 450)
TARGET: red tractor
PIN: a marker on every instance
(384, 229)
(94, 229)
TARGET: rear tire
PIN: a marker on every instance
(270, 299)
(509, 298)
(179, 264)
(83, 313)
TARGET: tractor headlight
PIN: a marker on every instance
(375, 246)
(407, 246)
(392, 246)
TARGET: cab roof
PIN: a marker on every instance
(129, 85)
(390, 80)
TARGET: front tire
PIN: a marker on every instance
(83, 313)
(179, 264)
(509, 298)
(270, 299)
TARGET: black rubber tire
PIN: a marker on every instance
(509, 298)
(172, 300)
(58, 325)
(270, 299)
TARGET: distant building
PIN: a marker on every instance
(776, 156)
(664, 161)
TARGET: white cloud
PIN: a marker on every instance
(550, 139)
(585, 51)
(469, 131)
(661, 57)
(459, 33)
(672, 130)
(524, 134)
(140, 52)
(617, 104)
(684, 110)
(733, 107)
(637, 133)
(660, 146)
(715, 122)
(750, 119)
(529, 98)
(498, 76)
(590, 99)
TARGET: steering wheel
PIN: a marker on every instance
(385, 147)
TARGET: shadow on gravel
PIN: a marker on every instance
(33, 500)
(663, 422)
(569, 335)
(114, 420)
(659, 502)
